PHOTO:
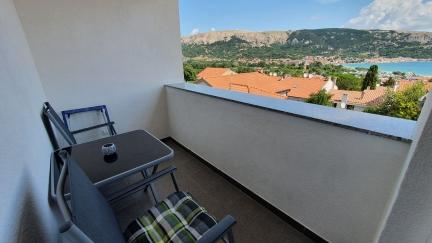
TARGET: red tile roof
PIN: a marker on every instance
(214, 72)
(405, 84)
(262, 84)
(303, 87)
(361, 98)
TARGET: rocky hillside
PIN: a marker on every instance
(344, 43)
(254, 38)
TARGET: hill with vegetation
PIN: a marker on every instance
(335, 42)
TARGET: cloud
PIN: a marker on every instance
(394, 15)
(195, 31)
(327, 1)
(213, 29)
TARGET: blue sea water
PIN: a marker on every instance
(419, 68)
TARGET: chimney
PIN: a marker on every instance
(396, 86)
(305, 75)
(334, 81)
(310, 76)
(344, 101)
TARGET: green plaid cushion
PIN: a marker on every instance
(176, 219)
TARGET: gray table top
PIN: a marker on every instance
(136, 150)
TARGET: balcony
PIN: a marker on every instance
(219, 195)
(288, 171)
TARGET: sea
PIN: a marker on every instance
(419, 68)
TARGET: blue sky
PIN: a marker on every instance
(261, 15)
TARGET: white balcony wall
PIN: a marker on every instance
(335, 181)
(410, 217)
(24, 146)
(118, 53)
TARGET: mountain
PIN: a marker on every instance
(335, 42)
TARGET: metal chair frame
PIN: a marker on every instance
(69, 232)
(101, 108)
(50, 117)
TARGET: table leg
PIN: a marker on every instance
(152, 189)
(153, 172)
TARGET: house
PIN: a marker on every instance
(214, 72)
(357, 100)
(404, 84)
(262, 84)
(302, 88)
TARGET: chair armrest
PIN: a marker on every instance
(72, 234)
(218, 231)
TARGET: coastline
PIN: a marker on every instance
(387, 60)
(418, 68)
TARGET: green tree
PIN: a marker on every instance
(371, 78)
(403, 104)
(320, 98)
(390, 82)
(347, 81)
(189, 73)
(243, 69)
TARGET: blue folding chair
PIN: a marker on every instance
(50, 117)
(100, 108)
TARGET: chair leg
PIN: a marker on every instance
(144, 176)
(230, 236)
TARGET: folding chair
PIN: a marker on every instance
(101, 108)
(90, 217)
(49, 116)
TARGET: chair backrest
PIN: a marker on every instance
(54, 119)
(91, 212)
(101, 109)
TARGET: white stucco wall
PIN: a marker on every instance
(118, 53)
(410, 217)
(24, 146)
(335, 181)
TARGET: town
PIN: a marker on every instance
(315, 88)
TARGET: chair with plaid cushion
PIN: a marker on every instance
(90, 218)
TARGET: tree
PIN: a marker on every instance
(243, 69)
(403, 104)
(390, 82)
(189, 73)
(371, 78)
(347, 81)
(320, 98)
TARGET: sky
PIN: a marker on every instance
(198, 16)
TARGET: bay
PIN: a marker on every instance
(419, 68)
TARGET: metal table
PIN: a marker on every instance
(137, 151)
